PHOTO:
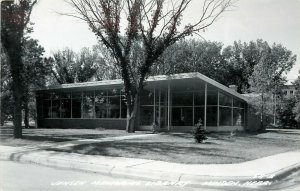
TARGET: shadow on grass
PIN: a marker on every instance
(181, 135)
(155, 150)
(61, 138)
(45, 138)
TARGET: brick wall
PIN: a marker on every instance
(83, 123)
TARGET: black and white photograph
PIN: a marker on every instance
(172, 95)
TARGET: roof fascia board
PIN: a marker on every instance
(150, 79)
(221, 86)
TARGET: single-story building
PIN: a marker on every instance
(173, 102)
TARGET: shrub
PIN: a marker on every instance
(155, 127)
(199, 133)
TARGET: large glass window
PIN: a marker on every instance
(182, 109)
(182, 99)
(146, 115)
(182, 116)
(113, 107)
(76, 104)
(123, 107)
(147, 97)
(100, 104)
(237, 103)
(225, 116)
(238, 117)
(147, 107)
(199, 114)
(113, 92)
(110, 104)
(212, 98)
(88, 105)
(47, 108)
(56, 108)
(163, 116)
(65, 111)
(199, 98)
(225, 100)
(66, 108)
(211, 116)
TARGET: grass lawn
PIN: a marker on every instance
(42, 136)
(181, 148)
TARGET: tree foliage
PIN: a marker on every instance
(194, 56)
(153, 25)
(285, 113)
(86, 65)
(268, 75)
(296, 109)
(34, 77)
(15, 18)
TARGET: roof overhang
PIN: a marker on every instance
(108, 84)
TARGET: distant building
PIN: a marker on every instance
(289, 90)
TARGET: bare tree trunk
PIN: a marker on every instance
(17, 111)
(26, 114)
(132, 115)
(16, 68)
(26, 107)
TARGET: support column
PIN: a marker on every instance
(159, 109)
(244, 118)
(193, 108)
(71, 104)
(231, 111)
(169, 110)
(81, 105)
(275, 108)
(205, 106)
(154, 113)
(120, 104)
(59, 109)
(51, 109)
(218, 112)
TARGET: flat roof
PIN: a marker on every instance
(119, 82)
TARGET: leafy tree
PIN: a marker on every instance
(87, 65)
(241, 59)
(267, 77)
(154, 25)
(15, 18)
(6, 94)
(34, 76)
(106, 69)
(285, 112)
(296, 109)
(63, 66)
(194, 56)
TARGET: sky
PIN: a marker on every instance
(275, 21)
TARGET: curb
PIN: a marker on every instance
(48, 158)
(61, 162)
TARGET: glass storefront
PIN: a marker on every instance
(88, 105)
(186, 107)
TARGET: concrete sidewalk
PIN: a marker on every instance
(264, 169)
